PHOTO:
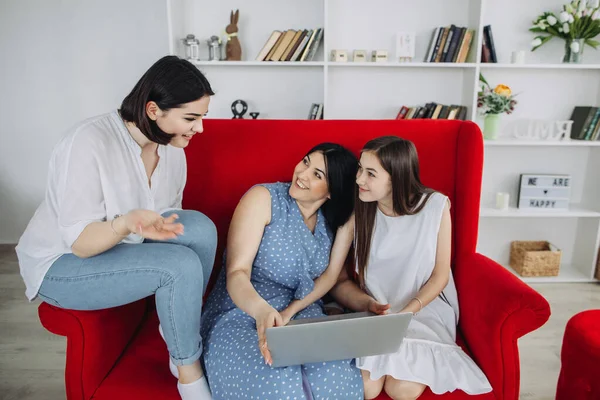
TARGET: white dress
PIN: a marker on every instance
(402, 258)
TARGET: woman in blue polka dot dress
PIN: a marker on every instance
(277, 267)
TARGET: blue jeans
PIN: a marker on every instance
(176, 271)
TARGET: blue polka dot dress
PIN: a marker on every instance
(289, 258)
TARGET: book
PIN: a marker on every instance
(451, 35)
(275, 46)
(297, 43)
(307, 48)
(268, 45)
(582, 118)
(314, 46)
(290, 46)
(402, 113)
(432, 43)
(489, 39)
(465, 46)
(455, 45)
(300, 49)
(440, 51)
(283, 44)
(449, 44)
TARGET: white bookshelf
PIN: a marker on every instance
(547, 89)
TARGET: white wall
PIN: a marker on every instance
(62, 61)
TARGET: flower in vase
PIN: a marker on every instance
(497, 101)
(578, 19)
(575, 47)
(502, 90)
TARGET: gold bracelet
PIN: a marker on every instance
(420, 303)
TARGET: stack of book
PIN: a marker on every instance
(291, 45)
(433, 111)
(316, 111)
(586, 123)
(488, 49)
(450, 44)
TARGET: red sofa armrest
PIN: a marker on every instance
(95, 341)
(496, 309)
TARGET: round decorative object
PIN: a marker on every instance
(254, 114)
(234, 109)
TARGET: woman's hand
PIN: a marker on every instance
(148, 224)
(286, 316)
(377, 308)
(267, 317)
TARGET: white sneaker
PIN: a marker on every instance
(197, 390)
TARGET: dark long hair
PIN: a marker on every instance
(399, 158)
(170, 82)
(341, 167)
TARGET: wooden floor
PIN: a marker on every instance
(32, 359)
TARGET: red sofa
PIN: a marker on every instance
(580, 358)
(117, 353)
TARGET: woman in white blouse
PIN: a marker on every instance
(110, 229)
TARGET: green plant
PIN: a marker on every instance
(494, 101)
(575, 21)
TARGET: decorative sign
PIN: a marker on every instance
(534, 129)
(544, 191)
(379, 56)
(405, 46)
(359, 56)
(339, 55)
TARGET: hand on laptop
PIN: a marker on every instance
(286, 316)
(378, 308)
(267, 317)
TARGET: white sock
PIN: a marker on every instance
(197, 390)
(173, 368)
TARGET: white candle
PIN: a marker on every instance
(502, 200)
(518, 57)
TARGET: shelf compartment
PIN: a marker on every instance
(575, 211)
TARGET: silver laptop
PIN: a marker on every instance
(336, 337)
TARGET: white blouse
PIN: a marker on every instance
(95, 172)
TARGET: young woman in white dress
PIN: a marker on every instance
(402, 248)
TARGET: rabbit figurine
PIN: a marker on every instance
(233, 48)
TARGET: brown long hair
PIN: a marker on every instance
(399, 158)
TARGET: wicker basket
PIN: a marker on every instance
(534, 258)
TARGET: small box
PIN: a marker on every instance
(339, 55)
(359, 56)
(534, 258)
(379, 56)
